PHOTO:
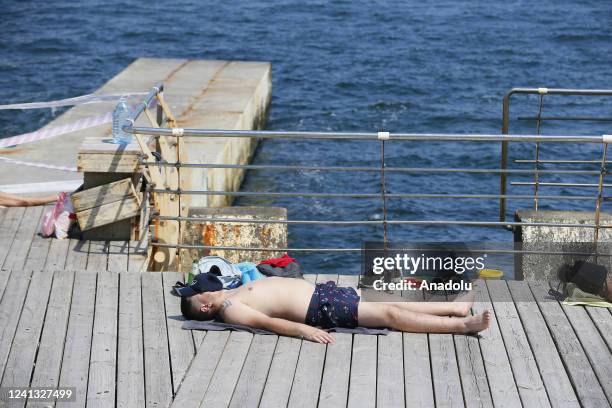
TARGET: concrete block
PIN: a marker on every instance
(569, 240)
(244, 234)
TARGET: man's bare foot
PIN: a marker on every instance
(477, 323)
(463, 303)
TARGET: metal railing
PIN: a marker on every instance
(385, 140)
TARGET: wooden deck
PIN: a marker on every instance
(77, 314)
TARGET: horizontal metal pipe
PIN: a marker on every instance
(392, 222)
(551, 184)
(287, 249)
(428, 137)
(367, 169)
(568, 118)
(366, 195)
(559, 161)
(562, 91)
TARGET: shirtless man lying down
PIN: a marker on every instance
(295, 307)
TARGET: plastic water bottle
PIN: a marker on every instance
(120, 116)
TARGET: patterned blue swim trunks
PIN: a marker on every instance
(331, 306)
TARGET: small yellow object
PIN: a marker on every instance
(490, 274)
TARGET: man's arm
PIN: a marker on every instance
(239, 313)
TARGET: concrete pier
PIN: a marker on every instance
(205, 94)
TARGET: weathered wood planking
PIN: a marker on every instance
(101, 195)
(554, 376)
(196, 382)
(227, 372)
(602, 318)
(137, 258)
(118, 253)
(309, 370)
(8, 230)
(390, 371)
(581, 373)
(362, 387)
(253, 376)
(180, 341)
(130, 367)
(20, 362)
(282, 370)
(58, 252)
(51, 348)
(97, 256)
(77, 348)
(157, 372)
(103, 360)
(594, 346)
(526, 374)
(108, 213)
(499, 371)
(10, 311)
(20, 246)
(77, 255)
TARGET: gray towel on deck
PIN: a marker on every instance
(216, 325)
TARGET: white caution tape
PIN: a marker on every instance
(79, 100)
(383, 135)
(177, 131)
(41, 165)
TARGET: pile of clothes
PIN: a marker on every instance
(233, 275)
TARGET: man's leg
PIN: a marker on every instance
(372, 314)
(459, 307)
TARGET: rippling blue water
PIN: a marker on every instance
(344, 66)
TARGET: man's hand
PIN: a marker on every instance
(317, 335)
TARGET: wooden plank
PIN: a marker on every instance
(252, 380)
(309, 370)
(526, 374)
(20, 362)
(52, 340)
(348, 280)
(77, 348)
(473, 376)
(58, 252)
(445, 371)
(97, 256)
(550, 365)
(228, 369)
(103, 360)
(180, 341)
(307, 379)
(107, 163)
(594, 346)
(137, 257)
(282, 370)
(4, 276)
(390, 371)
(158, 375)
(197, 379)
(499, 372)
(310, 277)
(602, 318)
(20, 246)
(118, 253)
(77, 255)
(362, 388)
(108, 213)
(418, 386)
(336, 373)
(581, 374)
(39, 250)
(104, 194)
(8, 230)
(10, 311)
(130, 369)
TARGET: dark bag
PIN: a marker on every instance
(587, 276)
